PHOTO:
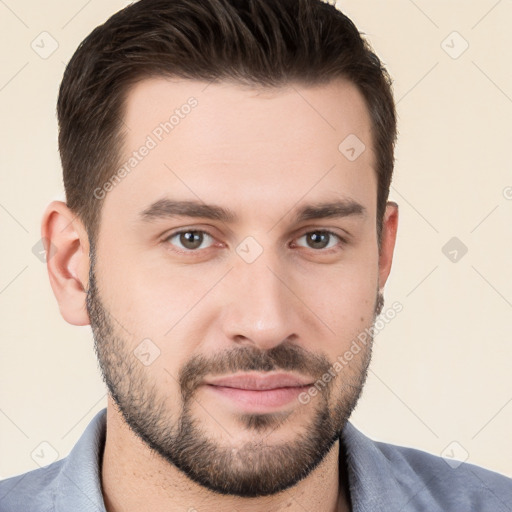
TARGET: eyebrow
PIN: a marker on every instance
(167, 208)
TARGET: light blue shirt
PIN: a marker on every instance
(382, 478)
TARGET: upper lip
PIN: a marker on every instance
(260, 381)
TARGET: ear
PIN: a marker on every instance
(389, 230)
(67, 260)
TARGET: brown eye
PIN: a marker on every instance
(320, 239)
(189, 240)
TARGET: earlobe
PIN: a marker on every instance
(389, 231)
(67, 260)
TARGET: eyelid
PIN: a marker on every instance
(319, 229)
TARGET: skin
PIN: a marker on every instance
(298, 306)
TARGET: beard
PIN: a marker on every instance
(255, 468)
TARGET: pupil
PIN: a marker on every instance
(319, 240)
(188, 239)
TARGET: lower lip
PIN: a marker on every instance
(258, 400)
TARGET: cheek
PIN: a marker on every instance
(144, 288)
(344, 298)
(160, 302)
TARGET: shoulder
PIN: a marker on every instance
(453, 484)
(34, 490)
(72, 483)
(388, 476)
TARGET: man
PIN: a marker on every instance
(227, 235)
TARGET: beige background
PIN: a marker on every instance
(441, 369)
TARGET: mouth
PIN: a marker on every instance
(258, 392)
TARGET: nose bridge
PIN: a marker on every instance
(262, 308)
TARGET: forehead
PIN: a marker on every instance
(221, 141)
(326, 111)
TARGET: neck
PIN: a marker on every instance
(136, 478)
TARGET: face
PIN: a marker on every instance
(240, 243)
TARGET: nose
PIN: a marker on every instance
(263, 310)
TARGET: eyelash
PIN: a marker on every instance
(342, 241)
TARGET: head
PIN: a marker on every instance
(227, 168)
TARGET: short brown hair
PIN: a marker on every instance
(251, 42)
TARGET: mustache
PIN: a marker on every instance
(284, 356)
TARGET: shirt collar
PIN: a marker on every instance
(379, 479)
(80, 474)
